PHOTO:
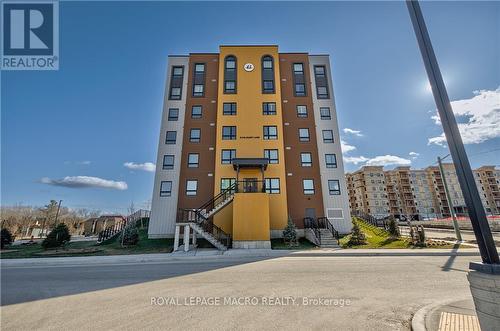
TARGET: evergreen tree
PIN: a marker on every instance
(393, 227)
(57, 237)
(357, 236)
(6, 238)
(290, 232)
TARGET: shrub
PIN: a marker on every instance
(6, 238)
(57, 237)
(357, 237)
(290, 233)
(393, 228)
(130, 236)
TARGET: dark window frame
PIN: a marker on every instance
(308, 191)
(300, 115)
(305, 139)
(192, 164)
(334, 191)
(296, 76)
(329, 164)
(272, 160)
(194, 140)
(328, 117)
(318, 78)
(267, 75)
(306, 164)
(231, 135)
(193, 116)
(327, 140)
(232, 155)
(170, 141)
(173, 118)
(191, 191)
(165, 193)
(174, 79)
(228, 71)
(268, 136)
(168, 166)
(233, 108)
(265, 108)
(269, 188)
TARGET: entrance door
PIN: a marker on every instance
(250, 185)
(311, 212)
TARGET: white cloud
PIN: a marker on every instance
(413, 154)
(355, 159)
(385, 160)
(346, 148)
(382, 160)
(147, 166)
(478, 118)
(78, 162)
(353, 132)
(84, 182)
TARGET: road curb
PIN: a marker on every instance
(418, 320)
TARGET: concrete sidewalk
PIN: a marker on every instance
(447, 315)
(200, 255)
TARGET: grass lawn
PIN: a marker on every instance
(303, 244)
(379, 238)
(90, 248)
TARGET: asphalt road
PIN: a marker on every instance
(367, 293)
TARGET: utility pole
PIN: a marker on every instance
(57, 213)
(450, 204)
(482, 231)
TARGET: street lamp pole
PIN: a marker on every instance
(472, 199)
(450, 203)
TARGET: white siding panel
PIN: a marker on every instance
(164, 209)
(332, 203)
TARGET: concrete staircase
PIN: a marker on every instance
(328, 240)
(208, 236)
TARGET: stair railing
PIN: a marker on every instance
(311, 223)
(324, 223)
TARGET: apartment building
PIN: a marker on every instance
(488, 183)
(420, 193)
(257, 127)
(369, 191)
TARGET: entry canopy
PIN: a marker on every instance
(259, 163)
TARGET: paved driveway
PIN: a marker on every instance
(368, 293)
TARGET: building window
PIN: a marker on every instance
(228, 155)
(328, 136)
(308, 185)
(168, 162)
(271, 155)
(267, 74)
(306, 159)
(270, 132)
(191, 187)
(229, 108)
(165, 188)
(321, 82)
(173, 114)
(301, 111)
(176, 83)
(325, 113)
(272, 185)
(269, 108)
(199, 80)
(226, 183)
(230, 75)
(304, 135)
(228, 133)
(334, 187)
(193, 160)
(195, 135)
(196, 112)
(171, 137)
(331, 160)
(299, 81)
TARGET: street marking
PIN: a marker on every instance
(458, 322)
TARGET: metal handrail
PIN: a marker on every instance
(323, 221)
(311, 223)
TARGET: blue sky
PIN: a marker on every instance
(103, 107)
